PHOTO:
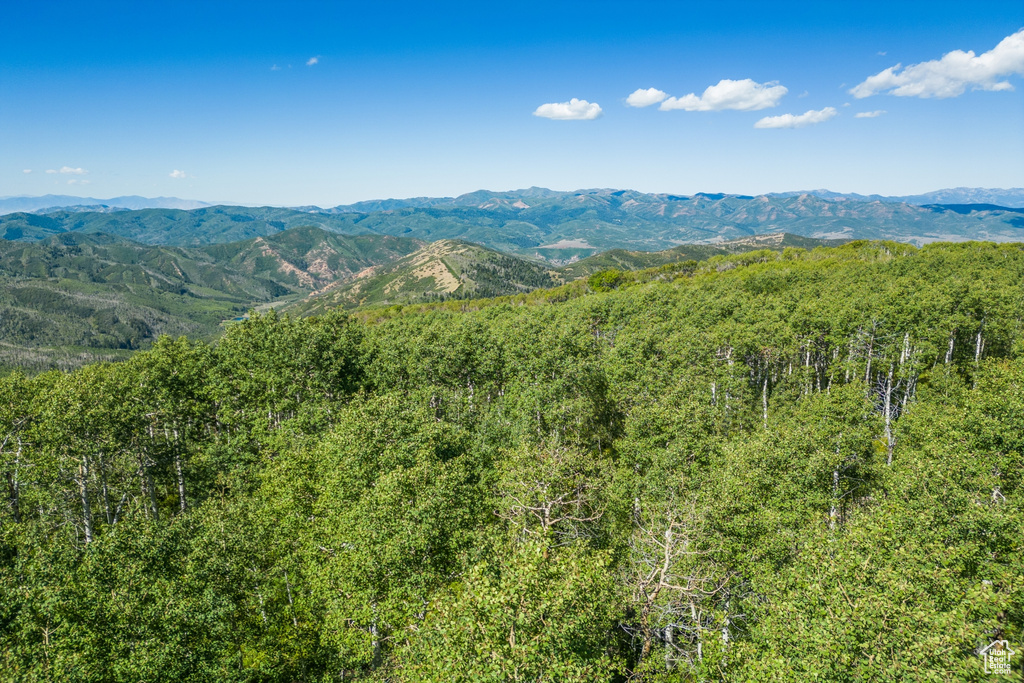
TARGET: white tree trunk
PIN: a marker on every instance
(83, 494)
(764, 401)
(833, 512)
(178, 470)
(888, 418)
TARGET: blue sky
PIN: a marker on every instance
(329, 103)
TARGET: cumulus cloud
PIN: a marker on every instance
(178, 174)
(744, 95)
(275, 67)
(27, 170)
(312, 61)
(797, 120)
(645, 98)
(573, 110)
(50, 170)
(869, 114)
(72, 171)
(951, 75)
(78, 181)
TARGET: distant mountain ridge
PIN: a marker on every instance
(555, 227)
(1012, 197)
(52, 202)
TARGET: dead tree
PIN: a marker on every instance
(554, 493)
(680, 595)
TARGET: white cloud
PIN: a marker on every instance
(645, 98)
(869, 114)
(951, 75)
(745, 95)
(72, 171)
(50, 170)
(78, 181)
(573, 110)
(27, 170)
(178, 174)
(312, 61)
(275, 68)
(797, 120)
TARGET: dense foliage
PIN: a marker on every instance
(773, 466)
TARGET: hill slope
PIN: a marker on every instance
(451, 269)
(190, 228)
(622, 259)
(442, 269)
(76, 297)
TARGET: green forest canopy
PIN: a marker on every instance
(770, 466)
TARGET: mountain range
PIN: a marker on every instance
(1012, 197)
(554, 227)
(51, 202)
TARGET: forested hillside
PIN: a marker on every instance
(442, 269)
(796, 465)
(622, 259)
(451, 269)
(76, 297)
